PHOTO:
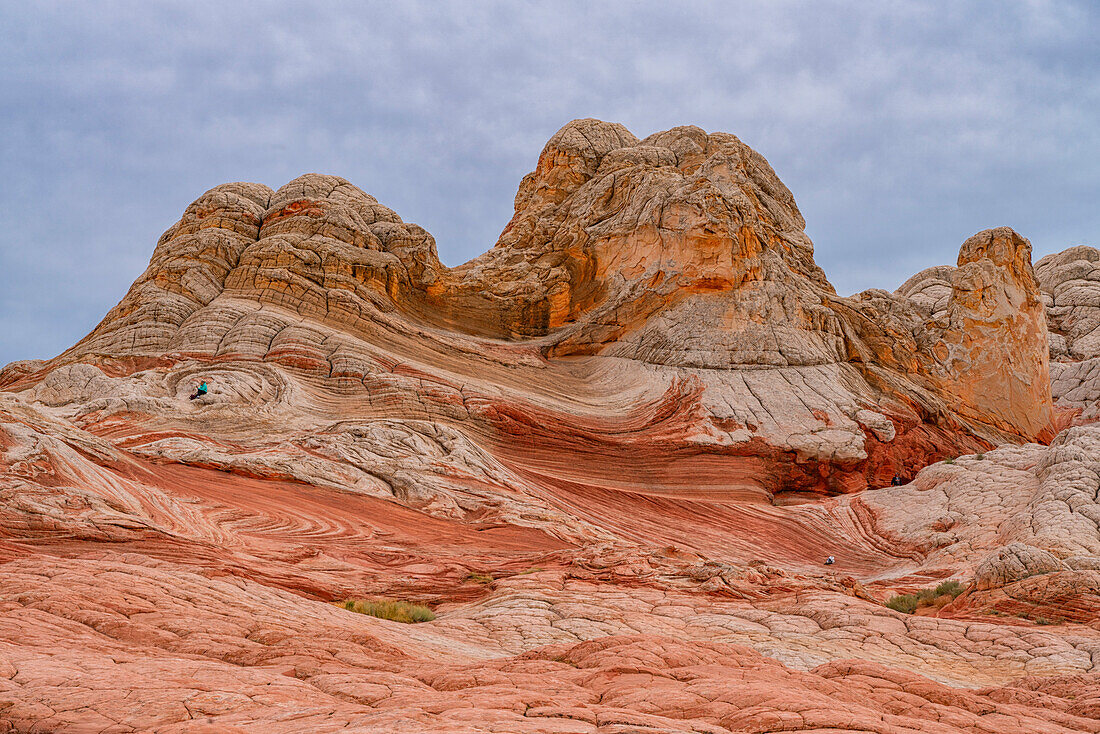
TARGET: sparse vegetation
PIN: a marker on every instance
(951, 586)
(904, 603)
(979, 457)
(937, 597)
(1026, 614)
(531, 570)
(949, 460)
(479, 578)
(398, 611)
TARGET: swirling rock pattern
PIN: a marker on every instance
(611, 452)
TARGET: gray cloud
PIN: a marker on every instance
(901, 127)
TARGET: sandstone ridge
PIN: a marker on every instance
(678, 264)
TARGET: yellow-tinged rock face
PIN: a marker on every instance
(993, 351)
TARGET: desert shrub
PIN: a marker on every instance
(398, 611)
(479, 578)
(949, 460)
(904, 603)
(951, 586)
(939, 596)
(925, 597)
(979, 457)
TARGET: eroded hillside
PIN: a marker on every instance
(611, 453)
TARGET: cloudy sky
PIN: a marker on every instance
(901, 127)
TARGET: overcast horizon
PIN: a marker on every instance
(901, 128)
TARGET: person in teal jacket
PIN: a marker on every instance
(202, 389)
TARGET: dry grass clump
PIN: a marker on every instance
(398, 611)
(937, 597)
(904, 603)
(950, 588)
(479, 578)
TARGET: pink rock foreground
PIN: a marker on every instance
(611, 454)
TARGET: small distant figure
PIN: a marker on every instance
(830, 561)
(200, 391)
(897, 481)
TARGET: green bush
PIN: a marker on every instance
(979, 457)
(398, 611)
(904, 603)
(931, 597)
(949, 461)
(952, 587)
(925, 597)
(479, 578)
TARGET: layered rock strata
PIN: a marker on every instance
(654, 298)
(611, 453)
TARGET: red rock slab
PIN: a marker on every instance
(289, 512)
(314, 540)
(131, 644)
(799, 537)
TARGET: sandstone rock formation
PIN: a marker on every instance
(611, 453)
(680, 260)
(1070, 281)
(992, 349)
